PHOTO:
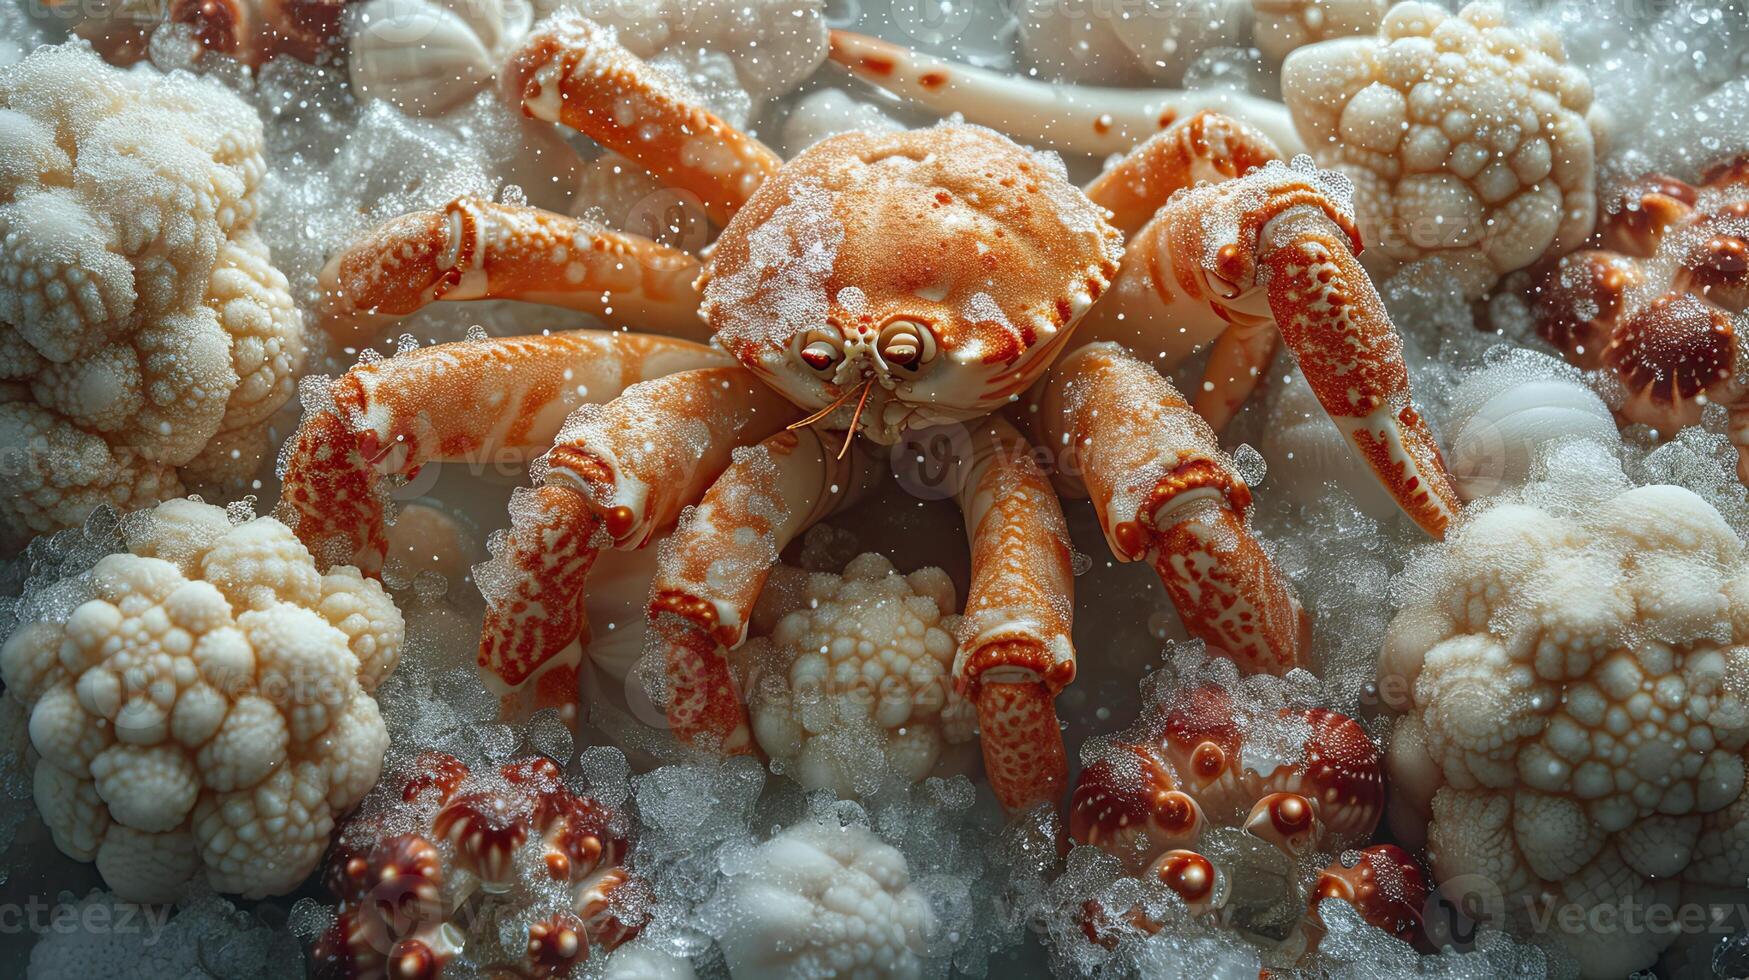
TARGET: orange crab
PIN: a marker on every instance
(874, 285)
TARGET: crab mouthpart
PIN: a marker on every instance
(850, 431)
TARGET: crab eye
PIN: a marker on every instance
(906, 344)
(821, 355)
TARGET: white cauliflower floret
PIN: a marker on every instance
(1471, 143)
(145, 336)
(825, 901)
(856, 683)
(209, 710)
(1577, 709)
(1284, 26)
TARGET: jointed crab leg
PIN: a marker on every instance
(1015, 653)
(1162, 491)
(1277, 247)
(1080, 118)
(473, 248)
(484, 402)
(617, 474)
(1207, 146)
(571, 70)
(714, 565)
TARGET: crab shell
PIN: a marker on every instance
(1384, 883)
(1662, 304)
(395, 891)
(1183, 769)
(968, 253)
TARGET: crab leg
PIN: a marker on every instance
(473, 248)
(1015, 652)
(1073, 118)
(1333, 320)
(1163, 491)
(1275, 246)
(714, 565)
(1207, 146)
(619, 473)
(478, 402)
(573, 71)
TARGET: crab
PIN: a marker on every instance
(419, 882)
(1151, 795)
(1659, 306)
(878, 284)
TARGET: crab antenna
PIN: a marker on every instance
(822, 413)
(856, 416)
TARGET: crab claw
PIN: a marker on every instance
(1276, 247)
(1333, 320)
(1015, 654)
(1081, 119)
(532, 638)
(713, 566)
(1164, 491)
(472, 248)
(1204, 147)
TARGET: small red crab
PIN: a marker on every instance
(1660, 306)
(1148, 797)
(407, 899)
(874, 285)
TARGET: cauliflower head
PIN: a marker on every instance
(821, 900)
(1471, 143)
(856, 682)
(145, 335)
(1576, 711)
(208, 709)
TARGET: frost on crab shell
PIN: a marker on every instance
(1573, 687)
(854, 683)
(782, 289)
